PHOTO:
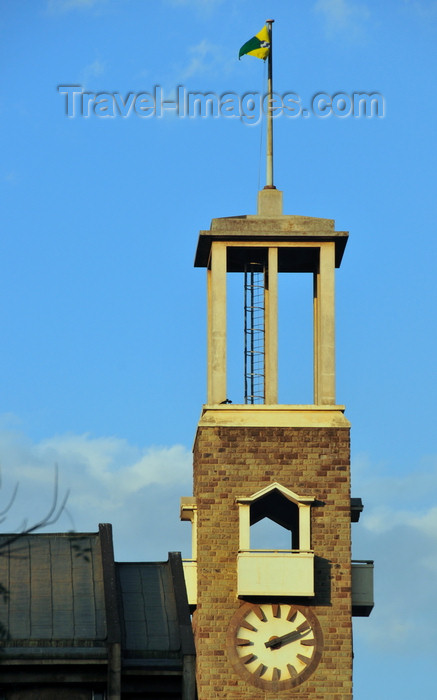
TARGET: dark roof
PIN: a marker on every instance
(53, 589)
(149, 615)
(63, 597)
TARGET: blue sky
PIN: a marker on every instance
(103, 315)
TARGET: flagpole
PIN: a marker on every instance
(269, 140)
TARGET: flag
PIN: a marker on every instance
(258, 46)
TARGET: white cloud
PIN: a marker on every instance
(343, 18)
(205, 58)
(111, 465)
(204, 61)
(381, 520)
(398, 529)
(91, 71)
(427, 9)
(109, 480)
(427, 522)
(137, 489)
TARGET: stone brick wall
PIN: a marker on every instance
(235, 462)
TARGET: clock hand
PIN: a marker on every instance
(277, 642)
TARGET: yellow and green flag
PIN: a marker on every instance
(258, 46)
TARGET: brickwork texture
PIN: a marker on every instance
(236, 462)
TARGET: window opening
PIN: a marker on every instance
(295, 338)
(274, 521)
(266, 534)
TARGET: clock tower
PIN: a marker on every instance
(277, 622)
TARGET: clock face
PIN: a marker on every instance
(275, 645)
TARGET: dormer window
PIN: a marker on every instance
(274, 509)
(275, 570)
(283, 507)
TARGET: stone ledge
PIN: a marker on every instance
(275, 416)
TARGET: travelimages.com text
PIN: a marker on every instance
(249, 107)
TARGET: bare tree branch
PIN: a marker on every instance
(53, 514)
(3, 513)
